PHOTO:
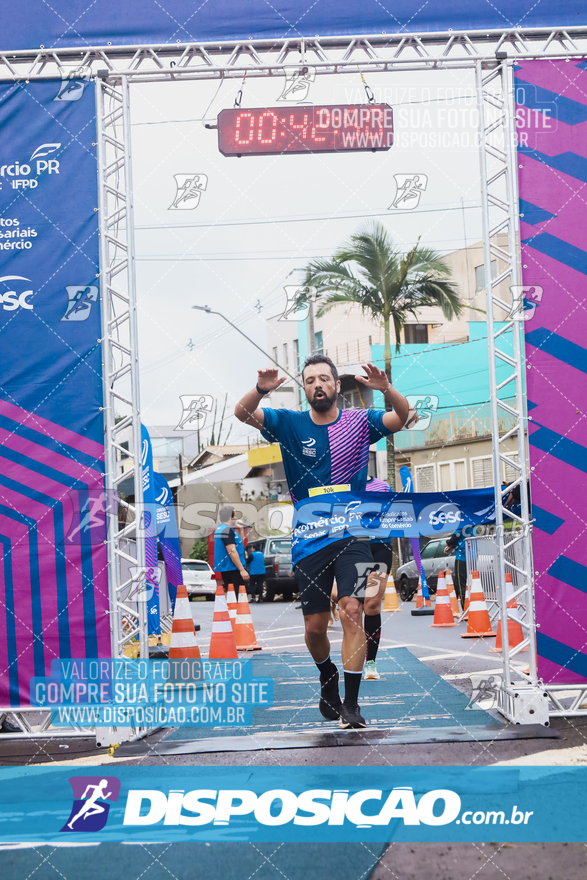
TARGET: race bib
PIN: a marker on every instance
(328, 490)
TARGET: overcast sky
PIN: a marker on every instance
(262, 217)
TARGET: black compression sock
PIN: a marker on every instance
(327, 669)
(352, 682)
(373, 633)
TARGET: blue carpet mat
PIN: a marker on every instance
(409, 697)
(230, 861)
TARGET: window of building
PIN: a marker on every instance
(510, 473)
(275, 354)
(166, 446)
(452, 475)
(416, 334)
(482, 470)
(285, 356)
(296, 354)
(425, 478)
(318, 342)
(353, 396)
(372, 467)
(480, 274)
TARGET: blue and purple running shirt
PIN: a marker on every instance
(324, 455)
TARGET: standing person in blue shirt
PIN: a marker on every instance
(229, 551)
(257, 572)
(456, 545)
(321, 448)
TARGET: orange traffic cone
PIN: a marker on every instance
(442, 610)
(391, 601)
(478, 623)
(222, 644)
(454, 602)
(232, 603)
(467, 600)
(420, 602)
(244, 631)
(515, 632)
(183, 642)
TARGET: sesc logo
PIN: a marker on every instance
(90, 802)
(447, 515)
(13, 299)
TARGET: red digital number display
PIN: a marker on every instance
(320, 129)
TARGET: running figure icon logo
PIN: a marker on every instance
(409, 190)
(80, 299)
(189, 188)
(424, 407)
(90, 802)
(297, 83)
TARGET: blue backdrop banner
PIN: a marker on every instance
(53, 581)
(35, 23)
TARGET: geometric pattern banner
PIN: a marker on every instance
(551, 123)
(53, 578)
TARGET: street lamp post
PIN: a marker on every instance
(213, 312)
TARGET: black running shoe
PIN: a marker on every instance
(350, 716)
(9, 727)
(330, 703)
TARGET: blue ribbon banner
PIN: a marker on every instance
(300, 804)
(324, 519)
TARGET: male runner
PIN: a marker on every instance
(326, 447)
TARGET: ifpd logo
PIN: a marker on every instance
(90, 802)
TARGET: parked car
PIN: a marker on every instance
(434, 560)
(198, 578)
(277, 555)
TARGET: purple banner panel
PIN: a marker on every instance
(551, 122)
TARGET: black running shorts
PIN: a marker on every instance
(349, 561)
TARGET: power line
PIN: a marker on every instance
(317, 218)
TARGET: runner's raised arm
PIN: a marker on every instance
(247, 409)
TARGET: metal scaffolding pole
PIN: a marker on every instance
(522, 700)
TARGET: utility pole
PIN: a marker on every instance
(311, 334)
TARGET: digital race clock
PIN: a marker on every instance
(305, 129)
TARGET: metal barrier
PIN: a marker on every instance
(482, 557)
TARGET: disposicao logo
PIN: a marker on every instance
(280, 807)
(90, 802)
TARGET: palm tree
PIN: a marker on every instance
(389, 286)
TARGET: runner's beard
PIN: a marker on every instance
(322, 404)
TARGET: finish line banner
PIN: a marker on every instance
(53, 583)
(324, 519)
(298, 804)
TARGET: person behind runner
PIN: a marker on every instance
(323, 447)
(456, 544)
(382, 553)
(229, 552)
(257, 572)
